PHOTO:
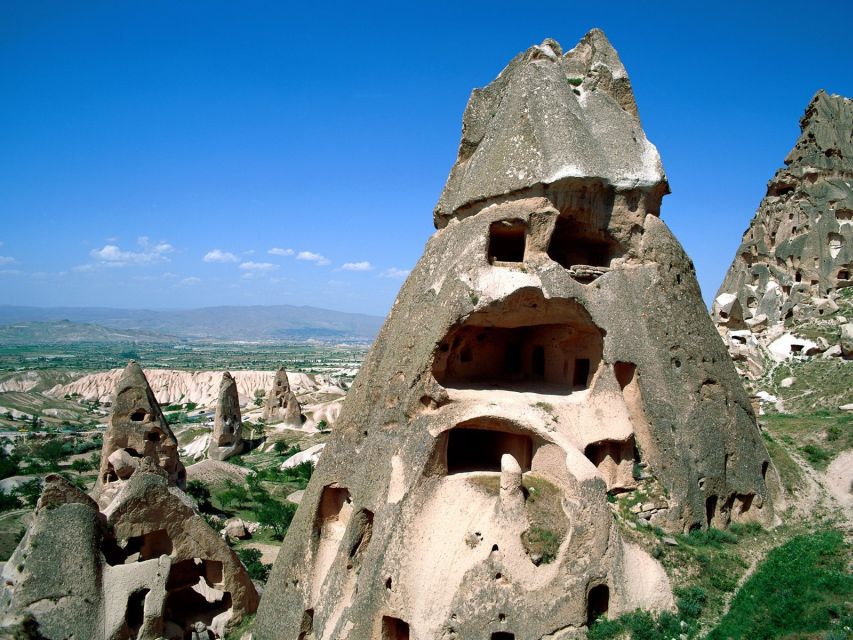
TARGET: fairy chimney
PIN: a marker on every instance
(796, 257)
(281, 403)
(549, 351)
(137, 429)
(227, 438)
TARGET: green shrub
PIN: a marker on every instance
(817, 456)
(277, 516)
(691, 601)
(9, 501)
(200, 493)
(542, 543)
(251, 559)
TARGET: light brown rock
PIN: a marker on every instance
(551, 337)
(227, 437)
(281, 405)
(797, 254)
(137, 429)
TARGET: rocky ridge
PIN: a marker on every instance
(786, 292)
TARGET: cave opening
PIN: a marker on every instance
(506, 241)
(597, 603)
(523, 343)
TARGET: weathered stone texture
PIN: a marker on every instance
(227, 438)
(137, 429)
(281, 404)
(796, 256)
(551, 340)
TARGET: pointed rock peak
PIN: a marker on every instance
(825, 140)
(137, 428)
(550, 119)
(227, 379)
(133, 374)
(595, 59)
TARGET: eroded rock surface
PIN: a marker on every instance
(795, 258)
(551, 341)
(137, 429)
(227, 438)
(139, 564)
(281, 405)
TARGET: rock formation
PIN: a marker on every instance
(147, 567)
(550, 348)
(281, 404)
(137, 429)
(796, 256)
(227, 437)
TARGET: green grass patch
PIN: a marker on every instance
(819, 435)
(801, 588)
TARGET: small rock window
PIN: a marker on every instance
(503, 635)
(844, 274)
(507, 240)
(138, 415)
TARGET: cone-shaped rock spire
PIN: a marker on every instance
(281, 404)
(797, 254)
(551, 342)
(137, 429)
(227, 438)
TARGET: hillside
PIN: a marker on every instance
(270, 323)
(67, 332)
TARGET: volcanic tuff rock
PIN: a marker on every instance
(147, 567)
(141, 563)
(137, 429)
(227, 438)
(551, 340)
(281, 404)
(201, 387)
(796, 256)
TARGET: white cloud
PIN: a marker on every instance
(217, 255)
(277, 251)
(396, 273)
(258, 266)
(357, 266)
(11, 272)
(113, 255)
(192, 280)
(6, 260)
(310, 256)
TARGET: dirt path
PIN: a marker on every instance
(838, 481)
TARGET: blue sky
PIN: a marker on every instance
(181, 154)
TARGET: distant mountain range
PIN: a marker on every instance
(22, 325)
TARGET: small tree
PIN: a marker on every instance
(251, 559)
(259, 397)
(200, 493)
(277, 516)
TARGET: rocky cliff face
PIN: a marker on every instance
(549, 350)
(796, 257)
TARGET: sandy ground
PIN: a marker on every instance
(269, 552)
(215, 473)
(838, 479)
